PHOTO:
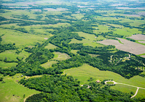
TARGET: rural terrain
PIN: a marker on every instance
(72, 50)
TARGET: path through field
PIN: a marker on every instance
(132, 86)
(135, 92)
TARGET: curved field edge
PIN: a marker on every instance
(12, 91)
(86, 71)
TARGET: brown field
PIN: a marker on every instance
(138, 37)
(143, 56)
(142, 41)
(127, 46)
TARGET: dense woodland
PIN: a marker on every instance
(53, 85)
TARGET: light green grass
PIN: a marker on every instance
(78, 16)
(48, 64)
(7, 65)
(21, 40)
(12, 56)
(126, 31)
(86, 71)
(60, 56)
(9, 54)
(50, 46)
(74, 51)
(12, 91)
(88, 41)
(101, 28)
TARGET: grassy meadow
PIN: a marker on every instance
(86, 71)
(12, 91)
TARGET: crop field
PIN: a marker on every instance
(138, 37)
(86, 71)
(12, 91)
(128, 46)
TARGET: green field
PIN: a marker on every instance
(86, 71)
(60, 56)
(88, 41)
(50, 46)
(48, 64)
(12, 91)
(7, 65)
(20, 39)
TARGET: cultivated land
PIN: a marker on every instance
(42, 27)
(128, 46)
(138, 37)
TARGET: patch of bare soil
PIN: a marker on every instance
(142, 41)
(127, 46)
(138, 37)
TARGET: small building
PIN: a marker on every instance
(98, 81)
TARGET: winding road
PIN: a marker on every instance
(128, 85)
(135, 92)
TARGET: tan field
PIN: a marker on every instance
(128, 46)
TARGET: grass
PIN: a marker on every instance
(78, 16)
(20, 39)
(127, 31)
(7, 65)
(9, 54)
(50, 46)
(12, 56)
(101, 29)
(86, 71)
(74, 51)
(60, 56)
(48, 64)
(12, 91)
(88, 41)
(110, 82)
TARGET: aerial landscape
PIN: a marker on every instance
(72, 51)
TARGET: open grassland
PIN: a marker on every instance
(88, 41)
(101, 28)
(78, 16)
(86, 71)
(10, 55)
(20, 39)
(7, 65)
(126, 31)
(128, 46)
(11, 91)
(60, 56)
(50, 46)
(48, 64)
(74, 51)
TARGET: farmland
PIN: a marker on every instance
(71, 46)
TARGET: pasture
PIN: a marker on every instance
(50, 46)
(60, 56)
(86, 71)
(20, 39)
(88, 41)
(48, 64)
(12, 91)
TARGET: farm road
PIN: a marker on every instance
(135, 92)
